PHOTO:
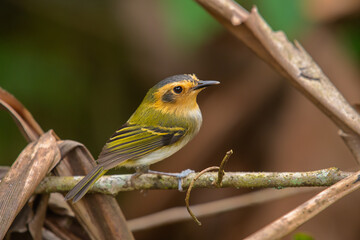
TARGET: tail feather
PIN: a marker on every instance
(84, 185)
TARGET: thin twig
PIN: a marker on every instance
(289, 222)
(178, 214)
(187, 198)
(222, 166)
(296, 65)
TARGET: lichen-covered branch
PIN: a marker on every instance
(113, 184)
(78, 161)
(296, 65)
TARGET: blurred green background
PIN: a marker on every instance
(82, 67)
(76, 65)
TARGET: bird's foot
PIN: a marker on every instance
(179, 176)
(139, 171)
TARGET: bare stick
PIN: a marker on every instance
(219, 180)
(307, 210)
(187, 198)
(297, 66)
(178, 214)
(290, 60)
(222, 166)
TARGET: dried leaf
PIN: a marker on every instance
(62, 232)
(3, 171)
(106, 220)
(32, 165)
(59, 206)
(26, 123)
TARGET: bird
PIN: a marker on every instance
(165, 121)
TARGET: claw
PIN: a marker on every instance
(139, 171)
(131, 181)
(179, 176)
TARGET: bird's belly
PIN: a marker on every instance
(159, 154)
(167, 151)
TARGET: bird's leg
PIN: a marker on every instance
(139, 170)
(179, 176)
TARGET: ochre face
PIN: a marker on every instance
(177, 97)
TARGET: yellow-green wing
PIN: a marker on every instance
(133, 142)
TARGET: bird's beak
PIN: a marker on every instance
(202, 84)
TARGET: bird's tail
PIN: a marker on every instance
(84, 185)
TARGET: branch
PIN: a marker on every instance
(178, 214)
(290, 60)
(77, 162)
(297, 66)
(113, 184)
(289, 222)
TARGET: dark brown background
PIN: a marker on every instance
(82, 68)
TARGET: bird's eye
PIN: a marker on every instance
(178, 89)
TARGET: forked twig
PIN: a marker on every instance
(187, 198)
(222, 166)
(221, 173)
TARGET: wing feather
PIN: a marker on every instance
(133, 142)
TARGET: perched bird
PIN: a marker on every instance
(166, 120)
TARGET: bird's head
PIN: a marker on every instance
(177, 94)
